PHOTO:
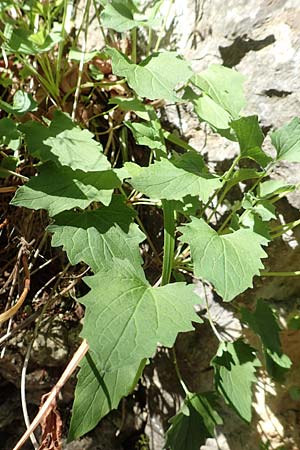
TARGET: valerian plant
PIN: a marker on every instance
(93, 200)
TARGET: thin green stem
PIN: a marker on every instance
(133, 45)
(149, 41)
(66, 28)
(81, 63)
(296, 273)
(284, 228)
(226, 178)
(234, 210)
(96, 7)
(179, 376)
(162, 31)
(213, 327)
(169, 241)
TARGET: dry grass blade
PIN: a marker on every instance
(14, 309)
(49, 403)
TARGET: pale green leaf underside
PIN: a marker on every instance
(118, 17)
(57, 189)
(65, 144)
(128, 309)
(224, 86)
(76, 149)
(286, 140)
(228, 261)
(97, 237)
(235, 366)
(211, 112)
(156, 77)
(96, 394)
(165, 180)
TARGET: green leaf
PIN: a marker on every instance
(57, 189)
(6, 164)
(131, 104)
(250, 138)
(193, 424)
(118, 16)
(264, 208)
(65, 144)
(174, 179)
(286, 140)
(121, 16)
(22, 103)
(240, 175)
(224, 86)
(9, 134)
(188, 206)
(24, 42)
(235, 366)
(228, 261)
(147, 133)
(97, 237)
(97, 393)
(270, 188)
(76, 55)
(122, 313)
(76, 149)
(264, 324)
(211, 113)
(150, 78)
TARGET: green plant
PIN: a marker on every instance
(95, 201)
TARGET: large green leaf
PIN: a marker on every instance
(127, 309)
(227, 261)
(235, 366)
(286, 140)
(224, 86)
(250, 138)
(156, 77)
(263, 322)
(211, 112)
(97, 393)
(76, 149)
(57, 189)
(65, 144)
(174, 179)
(193, 424)
(97, 237)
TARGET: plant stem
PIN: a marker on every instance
(133, 45)
(284, 228)
(162, 31)
(169, 241)
(149, 41)
(227, 176)
(296, 273)
(68, 9)
(183, 385)
(217, 334)
(81, 63)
